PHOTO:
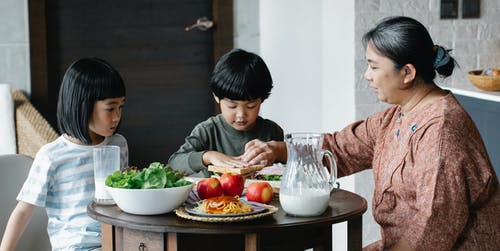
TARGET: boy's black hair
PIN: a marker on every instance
(86, 81)
(241, 75)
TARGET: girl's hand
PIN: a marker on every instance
(266, 153)
(222, 160)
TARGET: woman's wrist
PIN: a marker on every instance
(279, 149)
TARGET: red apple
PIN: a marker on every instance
(260, 192)
(232, 184)
(208, 188)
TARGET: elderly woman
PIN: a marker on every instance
(435, 188)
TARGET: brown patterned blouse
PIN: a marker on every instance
(434, 184)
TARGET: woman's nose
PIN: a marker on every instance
(367, 74)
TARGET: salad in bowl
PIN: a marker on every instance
(156, 189)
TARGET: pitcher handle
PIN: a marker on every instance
(333, 167)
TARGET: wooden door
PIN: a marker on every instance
(165, 68)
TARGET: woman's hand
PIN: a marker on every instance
(266, 153)
(222, 160)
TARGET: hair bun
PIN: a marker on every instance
(442, 56)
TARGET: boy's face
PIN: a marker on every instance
(241, 115)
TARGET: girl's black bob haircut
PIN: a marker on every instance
(86, 81)
(241, 75)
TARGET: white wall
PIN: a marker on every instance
(290, 43)
(309, 48)
(14, 44)
(338, 83)
(338, 64)
(246, 30)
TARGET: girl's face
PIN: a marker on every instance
(105, 118)
(241, 115)
(386, 81)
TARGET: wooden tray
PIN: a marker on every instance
(181, 212)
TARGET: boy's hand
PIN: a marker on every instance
(266, 153)
(222, 160)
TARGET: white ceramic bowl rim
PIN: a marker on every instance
(150, 201)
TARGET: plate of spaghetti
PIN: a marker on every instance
(225, 206)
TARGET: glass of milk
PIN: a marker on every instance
(106, 162)
(306, 183)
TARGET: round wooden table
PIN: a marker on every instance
(123, 231)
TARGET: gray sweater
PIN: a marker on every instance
(215, 134)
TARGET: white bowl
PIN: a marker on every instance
(149, 201)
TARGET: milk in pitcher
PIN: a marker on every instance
(310, 202)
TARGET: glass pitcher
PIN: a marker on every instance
(306, 183)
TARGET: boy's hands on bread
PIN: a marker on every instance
(222, 160)
(266, 153)
(256, 153)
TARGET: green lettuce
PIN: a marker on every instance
(157, 175)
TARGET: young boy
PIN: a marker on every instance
(240, 83)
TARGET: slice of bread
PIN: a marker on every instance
(242, 171)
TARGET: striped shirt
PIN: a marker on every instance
(61, 179)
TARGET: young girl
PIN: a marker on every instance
(61, 178)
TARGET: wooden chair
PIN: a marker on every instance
(14, 169)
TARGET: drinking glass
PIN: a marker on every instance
(106, 162)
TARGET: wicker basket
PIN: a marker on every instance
(484, 82)
(32, 130)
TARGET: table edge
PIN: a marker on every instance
(215, 227)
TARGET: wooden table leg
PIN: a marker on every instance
(107, 237)
(354, 233)
(325, 240)
(171, 241)
(252, 242)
